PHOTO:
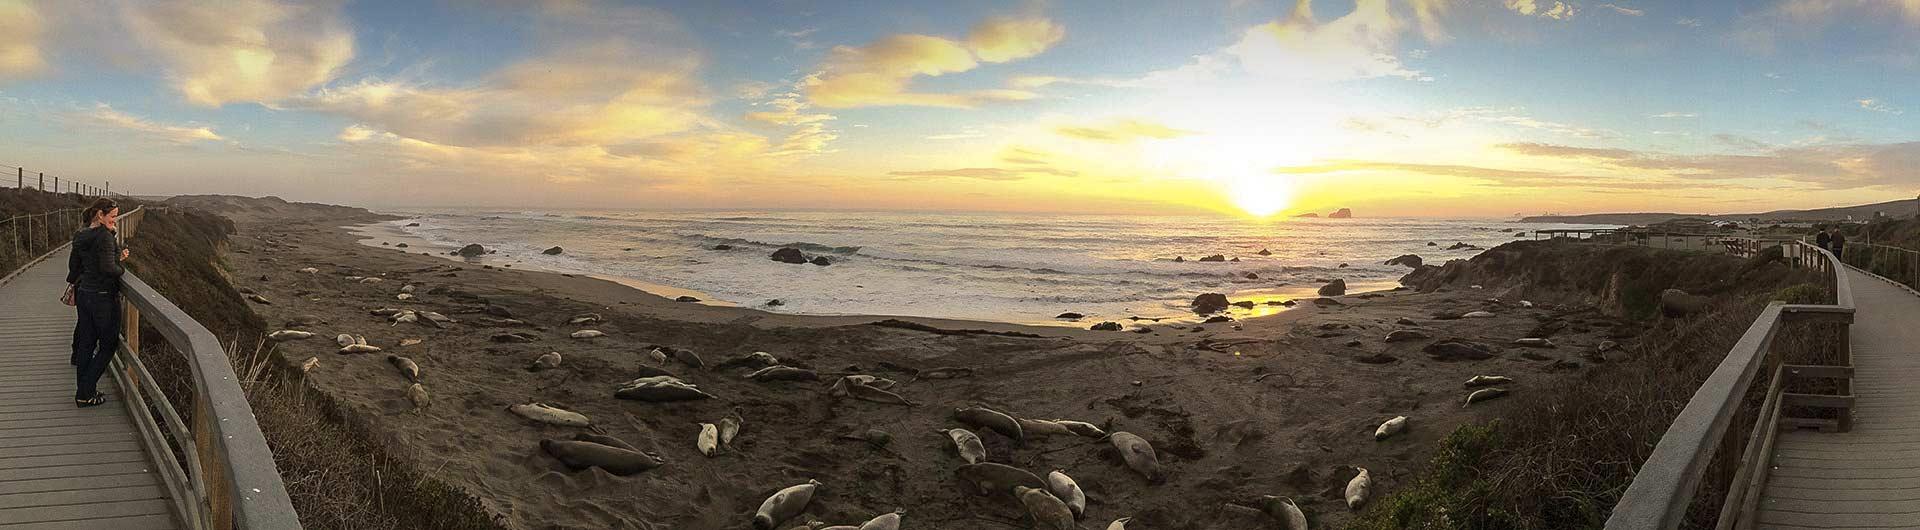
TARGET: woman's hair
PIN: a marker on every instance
(100, 206)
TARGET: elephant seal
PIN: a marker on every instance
(784, 505)
(406, 366)
(1286, 511)
(867, 393)
(1042, 428)
(418, 395)
(288, 334)
(1064, 488)
(309, 364)
(754, 360)
(783, 373)
(1484, 394)
(1138, 455)
(989, 478)
(1357, 489)
(546, 361)
(584, 318)
(660, 389)
(1047, 511)
(1119, 524)
(1488, 380)
(579, 454)
(586, 334)
(709, 440)
(730, 427)
(344, 340)
(968, 445)
(995, 421)
(360, 348)
(885, 521)
(605, 440)
(1082, 428)
(549, 414)
(1390, 428)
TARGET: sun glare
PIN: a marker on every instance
(1260, 195)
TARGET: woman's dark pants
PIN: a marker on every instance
(95, 338)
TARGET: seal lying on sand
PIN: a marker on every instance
(995, 421)
(1047, 511)
(968, 445)
(1043, 428)
(992, 479)
(1121, 524)
(549, 414)
(580, 454)
(730, 427)
(660, 389)
(1138, 454)
(1284, 510)
(546, 361)
(406, 366)
(288, 334)
(1485, 380)
(1064, 488)
(867, 393)
(360, 348)
(783, 373)
(885, 521)
(1484, 394)
(1358, 488)
(587, 334)
(784, 505)
(418, 395)
(1390, 428)
(709, 440)
(1082, 428)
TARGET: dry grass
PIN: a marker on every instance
(22, 240)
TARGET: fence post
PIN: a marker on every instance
(19, 177)
(56, 184)
(43, 180)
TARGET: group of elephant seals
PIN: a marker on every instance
(784, 505)
(995, 421)
(591, 450)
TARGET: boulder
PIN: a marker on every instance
(1462, 246)
(1179, 259)
(1675, 303)
(1336, 287)
(1244, 304)
(1342, 213)
(686, 299)
(1106, 326)
(719, 247)
(1252, 276)
(822, 261)
(1217, 319)
(1210, 303)
(471, 250)
(1265, 252)
(1458, 350)
(1214, 258)
(788, 255)
(555, 251)
(1070, 316)
(1410, 260)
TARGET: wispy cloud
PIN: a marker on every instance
(1877, 105)
(881, 73)
(1628, 11)
(1544, 9)
(1688, 22)
(1673, 115)
(1824, 166)
(1122, 131)
(104, 116)
(21, 28)
(985, 173)
(1565, 151)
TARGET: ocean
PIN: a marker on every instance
(1022, 268)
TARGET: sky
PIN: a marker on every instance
(1441, 108)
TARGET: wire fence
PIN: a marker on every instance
(1901, 265)
(26, 236)
(39, 180)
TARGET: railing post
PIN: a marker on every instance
(219, 500)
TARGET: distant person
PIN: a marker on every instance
(1839, 245)
(93, 288)
(1823, 239)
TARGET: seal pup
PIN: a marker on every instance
(409, 342)
(989, 478)
(371, 280)
(709, 440)
(586, 334)
(993, 420)
(1138, 454)
(584, 318)
(729, 427)
(783, 373)
(546, 361)
(1286, 511)
(385, 312)
(1064, 488)
(1484, 394)
(408, 288)
(418, 395)
(968, 445)
(404, 317)
(406, 366)
(1047, 511)
(549, 414)
(1082, 428)
(344, 340)
(1534, 342)
(578, 455)
(360, 348)
(1486, 380)
(1043, 428)
(784, 505)
(885, 521)
(288, 334)
(403, 297)
(1357, 489)
(360, 339)
(1390, 428)
(1119, 524)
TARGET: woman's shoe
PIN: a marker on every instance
(97, 400)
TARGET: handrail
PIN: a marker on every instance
(1664, 487)
(233, 480)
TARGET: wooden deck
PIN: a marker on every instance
(1869, 477)
(63, 467)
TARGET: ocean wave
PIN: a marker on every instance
(803, 246)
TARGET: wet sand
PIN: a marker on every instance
(1275, 405)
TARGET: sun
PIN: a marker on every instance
(1260, 195)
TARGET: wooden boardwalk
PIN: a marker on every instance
(1869, 477)
(63, 467)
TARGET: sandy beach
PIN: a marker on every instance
(1284, 404)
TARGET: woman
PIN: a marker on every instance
(93, 278)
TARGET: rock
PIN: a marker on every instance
(775, 303)
(1218, 319)
(1533, 342)
(1265, 252)
(1336, 287)
(1216, 258)
(1342, 213)
(471, 250)
(401, 245)
(686, 299)
(721, 247)
(413, 224)
(1252, 276)
(1324, 301)
(1244, 304)
(1410, 260)
(1404, 321)
(1343, 265)
(1432, 244)
(555, 251)
(1462, 246)
(1070, 316)
(1236, 259)
(1458, 350)
(822, 261)
(1106, 326)
(1210, 303)
(788, 255)
(1376, 358)
(1675, 303)
(1403, 335)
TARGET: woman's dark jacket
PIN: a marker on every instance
(94, 263)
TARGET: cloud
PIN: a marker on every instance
(1492, 176)
(104, 116)
(1825, 166)
(1672, 115)
(1688, 22)
(21, 27)
(1624, 10)
(1549, 9)
(881, 73)
(986, 173)
(1122, 131)
(801, 39)
(1000, 39)
(1878, 106)
(1762, 31)
(1563, 151)
(808, 133)
(242, 50)
(1358, 45)
(1741, 142)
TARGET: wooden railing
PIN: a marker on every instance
(1665, 487)
(229, 479)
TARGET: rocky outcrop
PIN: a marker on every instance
(1410, 260)
(822, 261)
(1342, 213)
(1336, 287)
(1106, 326)
(1210, 303)
(472, 250)
(555, 251)
(788, 255)
(1216, 258)
(1308, 215)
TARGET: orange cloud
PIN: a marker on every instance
(20, 30)
(999, 40)
(243, 50)
(106, 117)
(1122, 131)
(880, 73)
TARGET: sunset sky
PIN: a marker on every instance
(1392, 108)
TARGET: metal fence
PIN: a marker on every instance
(40, 180)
